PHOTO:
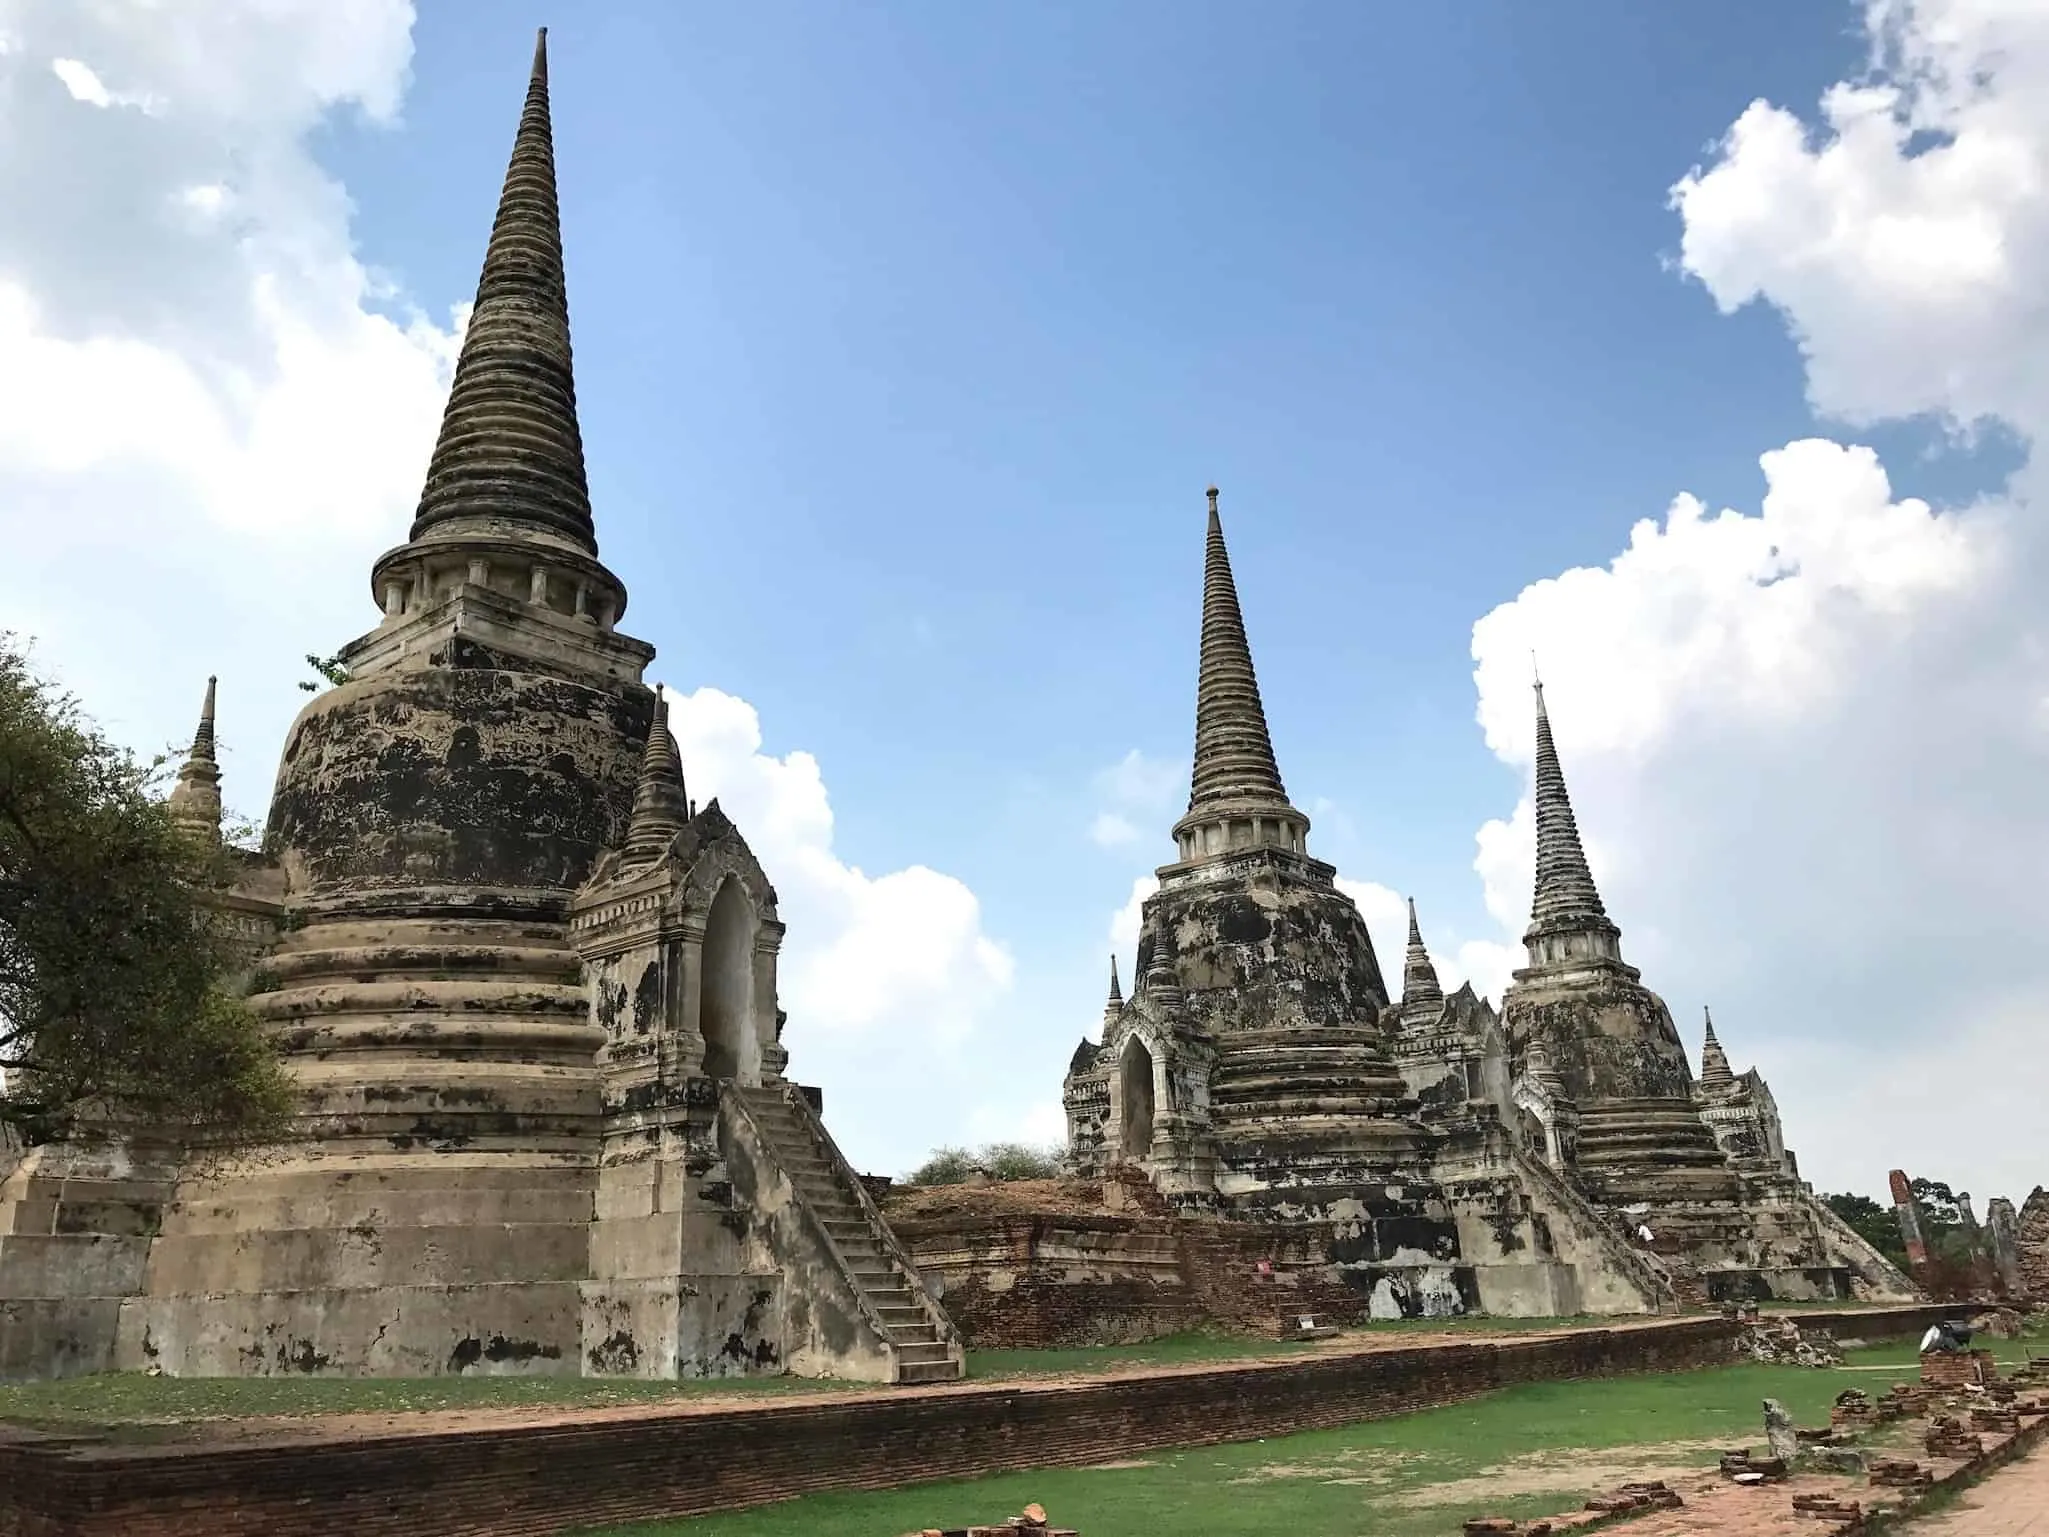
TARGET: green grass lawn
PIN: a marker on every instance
(1198, 1347)
(1556, 1443)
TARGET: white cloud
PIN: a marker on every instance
(1134, 790)
(1112, 831)
(209, 424)
(1034, 1122)
(903, 951)
(1806, 743)
(1124, 923)
(213, 416)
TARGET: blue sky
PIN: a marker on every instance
(908, 337)
(918, 330)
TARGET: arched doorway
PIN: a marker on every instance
(725, 1014)
(1137, 1086)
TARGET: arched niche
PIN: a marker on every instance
(726, 1001)
(1135, 1070)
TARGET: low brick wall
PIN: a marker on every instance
(1034, 1281)
(538, 1480)
(1876, 1326)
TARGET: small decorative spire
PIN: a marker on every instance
(1420, 986)
(1234, 755)
(1714, 1062)
(195, 800)
(661, 805)
(510, 454)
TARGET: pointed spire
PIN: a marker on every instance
(510, 455)
(1234, 756)
(1714, 1062)
(661, 806)
(1419, 974)
(195, 800)
(1565, 897)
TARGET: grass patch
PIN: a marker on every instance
(1531, 1450)
(1202, 1346)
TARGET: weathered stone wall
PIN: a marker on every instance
(664, 1464)
(456, 775)
(1258, 942)
(1036, 1280)
(1610, 1037)
(2032, 1246)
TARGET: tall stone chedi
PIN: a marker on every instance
(433, 815)
(1610, 1039)
(1591, 1044)
(1250, 1066)
(526, 990)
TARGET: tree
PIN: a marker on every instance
(999, 1160)
(329, 667)
(114, 1006)
(1877, 1225)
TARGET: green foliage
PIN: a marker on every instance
(1877, 1225)
(113, 1001)
(329, 668)
(1000, 1160)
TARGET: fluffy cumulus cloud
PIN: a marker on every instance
(1806, 740)
(214, 413)
(1136, 797)
(902, 948)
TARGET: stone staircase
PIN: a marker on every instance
(1644, 1272)
(918, 1333)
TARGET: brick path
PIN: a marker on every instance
(2014, 1502)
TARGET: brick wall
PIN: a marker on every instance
(1017, 1281)
(530, 1481)
(539, 1480)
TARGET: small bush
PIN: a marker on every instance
(1001, 1160)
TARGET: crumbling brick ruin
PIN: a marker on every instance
(1462, 1159)
(526, 988)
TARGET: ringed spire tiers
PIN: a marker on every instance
(1715, 1072)
(1419, 973)
(510, 449)
(195, 800)
(661, 804)
(1236, 799)
(505, 511)
(1567, 906)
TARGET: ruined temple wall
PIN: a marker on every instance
(704, 1262)
(1034, 1280)
(76, 1222)
(2032, 1247)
